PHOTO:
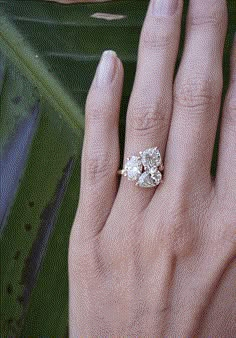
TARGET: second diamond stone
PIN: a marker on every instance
(151, 158)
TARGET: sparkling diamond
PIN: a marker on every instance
(133, 168)
(151, 158)
(146, 180)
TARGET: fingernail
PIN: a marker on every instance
(164, 7)
(107, 68)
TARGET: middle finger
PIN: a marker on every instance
(150, 105)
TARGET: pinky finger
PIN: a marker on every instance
(100, 155)
(226, 167)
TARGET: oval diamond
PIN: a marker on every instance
(133, 168)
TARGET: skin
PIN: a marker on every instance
(160, 262)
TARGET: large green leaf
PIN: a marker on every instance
(48, 56)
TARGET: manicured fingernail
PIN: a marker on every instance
(164, 7)
(107, 68)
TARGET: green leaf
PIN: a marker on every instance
(48, 56)
(18, 50)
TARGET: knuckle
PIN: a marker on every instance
(153, 37)
(99, 114)
(98, 166)
(197, 94)
(145, 119)
(94, 114)
(214, 19)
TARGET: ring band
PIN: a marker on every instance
(145, 169)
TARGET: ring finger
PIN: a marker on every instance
(150, 105)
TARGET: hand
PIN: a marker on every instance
(159, 262)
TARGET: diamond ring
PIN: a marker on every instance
(145, 169)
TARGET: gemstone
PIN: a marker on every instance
(151, 158)
(147, 180)
(133, 168)
(153, 170)
(157, 176)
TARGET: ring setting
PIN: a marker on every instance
(145, 169)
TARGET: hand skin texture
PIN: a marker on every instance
(159, 262)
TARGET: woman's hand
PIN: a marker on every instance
(159, 262)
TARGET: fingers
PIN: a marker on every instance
(197, 95)
(150, 105)
(100, 155)
(226, 167)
